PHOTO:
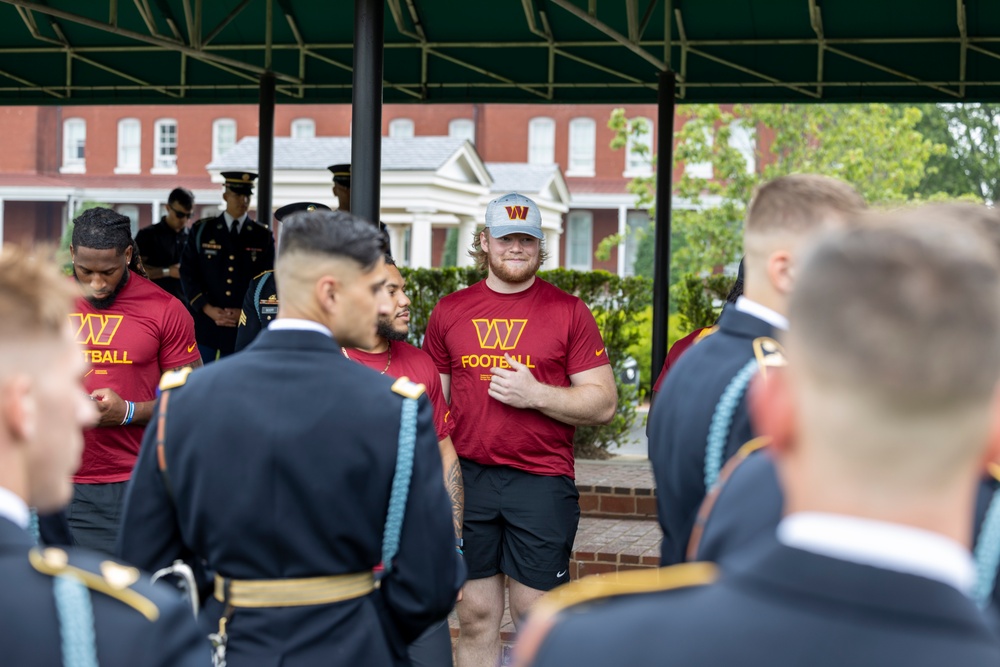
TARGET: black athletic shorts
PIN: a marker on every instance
(520, 524)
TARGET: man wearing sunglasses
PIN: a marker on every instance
(161, 244)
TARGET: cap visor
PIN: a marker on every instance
(507, 230)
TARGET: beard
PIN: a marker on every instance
(514, 276)
(386, 330)
(108, 301)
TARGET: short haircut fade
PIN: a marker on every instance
(334, 234)
(800, 202)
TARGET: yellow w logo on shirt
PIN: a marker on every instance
(93, 329)
(499, 333)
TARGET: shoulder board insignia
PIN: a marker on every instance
(114, 580)
(769, 353)
(705, 333)
(404, 387)
(174, 379)
(751, 446)
(994, 470)
(263, 273)
(597, 587)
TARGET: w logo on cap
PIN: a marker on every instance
(517, 212)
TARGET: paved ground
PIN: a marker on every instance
(635, 444)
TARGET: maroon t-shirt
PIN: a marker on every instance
(413, 363)
(551, 332)
(145, 330)
(675, 352)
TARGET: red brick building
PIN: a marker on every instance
(130, 157)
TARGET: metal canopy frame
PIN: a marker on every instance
(239, 64)
(615, 62)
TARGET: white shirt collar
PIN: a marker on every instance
(889, 546)
(772, 317)
(296, 324)
(14, 508)
(229, 220)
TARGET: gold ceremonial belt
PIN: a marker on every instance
(293, 592)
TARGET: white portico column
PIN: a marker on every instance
(396, 243)
(552, 247)
(466, 228)
(420, 238)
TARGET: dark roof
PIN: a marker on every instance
(110, 52)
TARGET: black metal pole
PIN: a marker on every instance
(366, 139)
(664, 188)
(265, 149)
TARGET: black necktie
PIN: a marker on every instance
(234, 232)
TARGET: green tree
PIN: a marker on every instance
(970, 164)
(875, 147)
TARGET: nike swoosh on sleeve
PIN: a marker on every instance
(600, 352)
(192, 346)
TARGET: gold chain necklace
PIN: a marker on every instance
(388, 360)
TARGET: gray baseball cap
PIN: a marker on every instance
(514, 214)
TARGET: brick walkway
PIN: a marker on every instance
(618, 528)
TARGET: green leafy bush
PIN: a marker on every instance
(618, 304)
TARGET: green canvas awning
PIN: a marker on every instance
(200, 51)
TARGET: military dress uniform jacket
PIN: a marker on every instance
(125, 637)
(782, 607)
(216, 270)
(260, 307)
(679, 425)
(291, 479)
(749, 507)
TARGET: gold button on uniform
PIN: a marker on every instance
(232, 257)
(231, 268)
(229, 280)
(228, 293)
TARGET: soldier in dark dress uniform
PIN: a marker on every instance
(701, 418)
(63, 607)
(162, 244)
(879, 426)
(293, 505)
(221, 257)
(342, 185)
(260, 303)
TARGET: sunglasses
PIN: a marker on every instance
(179, 214)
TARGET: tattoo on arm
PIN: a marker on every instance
(197, 363)
(456, 491)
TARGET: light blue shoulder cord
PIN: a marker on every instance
(987, 552)
(76, 614)
(33, 526)
(400, 482)
(76, 622)
(722, 421)
(256, 296)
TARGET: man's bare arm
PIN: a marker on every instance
(590, 400)
(453, 482)
(446, 387)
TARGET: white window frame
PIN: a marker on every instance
(635, 220)
(743, 138)
(635, 165)
(303, 128)
(541, 140)
(219, 125)
(462, 128)
(702, 169)
(127, 150)
(74, 132)
(573, 232)
(582, 154)
(402, 128)
(160, 165)
(130, 211)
